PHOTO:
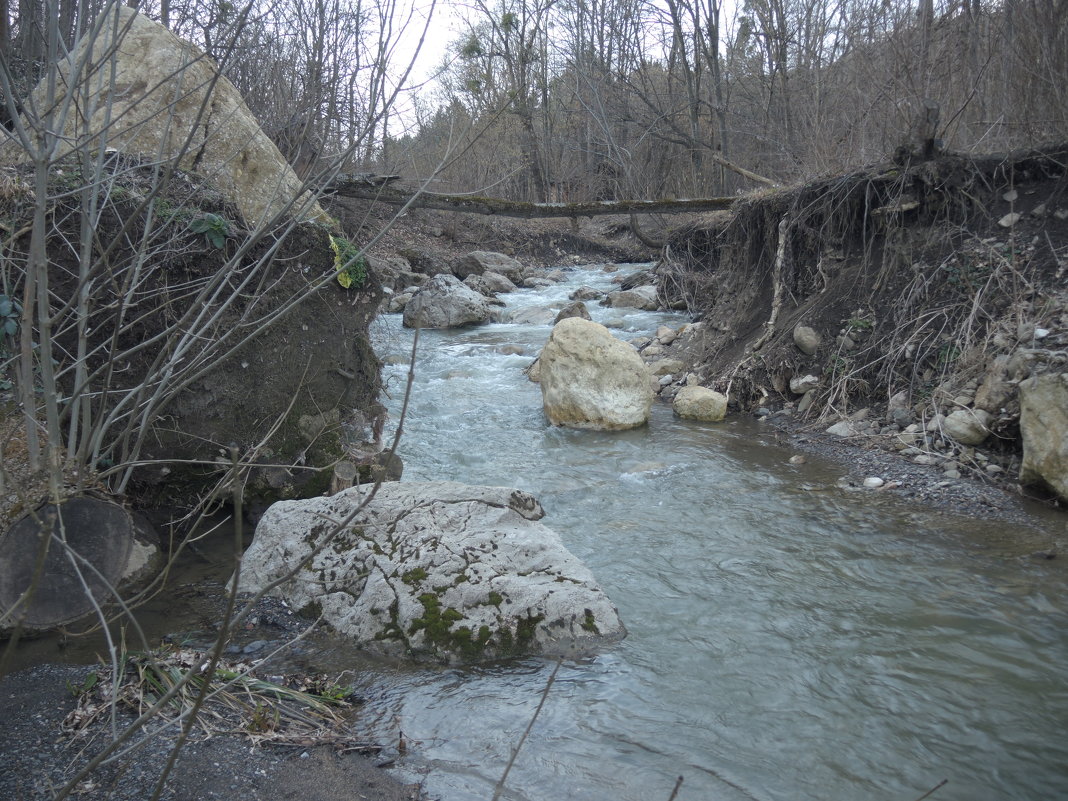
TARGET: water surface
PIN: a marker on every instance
(788, 639)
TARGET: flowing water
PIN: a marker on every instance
(787, 639)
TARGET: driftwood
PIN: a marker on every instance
(358, 187)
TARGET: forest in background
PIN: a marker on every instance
(575, 100)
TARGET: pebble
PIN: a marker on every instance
(798, 458)
(873, 482)
(951, 474)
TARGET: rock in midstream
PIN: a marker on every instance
(436, 570)
(590, 379)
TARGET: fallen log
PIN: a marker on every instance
(346, 186)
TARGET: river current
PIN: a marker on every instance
(788, 639)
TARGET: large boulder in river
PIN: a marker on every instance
(439, 570)
(159, 97)
(489, 283)
(643, 297)
(444, 302)
(700, 403)
(590, 379)
(575, 308)
(480, 261)
(1044, 430)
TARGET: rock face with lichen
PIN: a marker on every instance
(435, 570)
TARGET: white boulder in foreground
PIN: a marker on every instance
(590, 379)
(435, 570)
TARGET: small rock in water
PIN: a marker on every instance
(798, 458)
(873, 482)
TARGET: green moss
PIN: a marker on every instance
(414, 576)
(525, 629)
(392, 630)
(468, 645)
(312, 610)
(495, 598)
(509, 644)
(438, 624)
(590, 623)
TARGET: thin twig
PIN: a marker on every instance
(515, 752)
(934, 789)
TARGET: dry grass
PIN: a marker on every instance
(294, 710)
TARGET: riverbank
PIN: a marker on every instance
(38, 759)
(976, 496)
(42, 750)
(905, 307)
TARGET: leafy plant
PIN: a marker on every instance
(85, 686)
(10, 312)
(859, 324)
(351, 265)
(947, 354)
(215, 228)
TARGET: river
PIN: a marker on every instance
(787, 639)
